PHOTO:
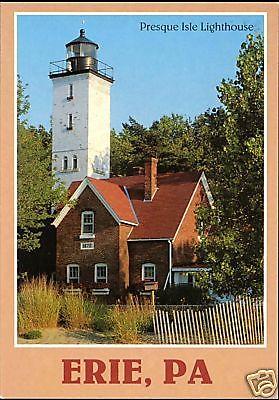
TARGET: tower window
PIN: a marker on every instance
(71, 92)
(75, 162)
(65, 163)
(70, 122)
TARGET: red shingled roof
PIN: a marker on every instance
(114, 195)
(158, 218)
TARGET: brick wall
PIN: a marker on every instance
(124, 232)
(156, 252)
(106, 242)
(187, 236)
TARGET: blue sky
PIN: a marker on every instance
(155, 73)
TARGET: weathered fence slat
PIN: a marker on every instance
(227, 326)
(161, 326)
(233, 322)
(212, 326)
(218, 325)
(200, 313)
(197, 325)
(169, 335)
(186, 326)
(175, 327)
(261, 326)
(241, 321)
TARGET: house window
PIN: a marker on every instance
(75, 162)
(87, 224)
(65, 163)
(101, 273)
(70, 122)
(148, 272)
(70, 97)
(183, 278)
(72, 273)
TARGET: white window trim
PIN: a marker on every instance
(68, 272)
(143, 269)
(90, 244)
(87, 235)
(95, 272)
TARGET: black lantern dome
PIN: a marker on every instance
(82, 53)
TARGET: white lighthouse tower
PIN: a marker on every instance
(81, 113)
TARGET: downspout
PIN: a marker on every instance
(168, 278)
(170, 260)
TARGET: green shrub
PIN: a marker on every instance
(36, 334)
(75, 312)
(38, 305)
(184, 294)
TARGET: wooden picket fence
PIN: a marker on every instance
(233, 322)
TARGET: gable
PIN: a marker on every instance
(110, 195)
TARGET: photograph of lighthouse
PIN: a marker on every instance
(140, 179)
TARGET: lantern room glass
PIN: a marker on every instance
(82, 50)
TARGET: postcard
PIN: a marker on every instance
(139, 200)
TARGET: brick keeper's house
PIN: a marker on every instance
(123, 233)
(126, 232)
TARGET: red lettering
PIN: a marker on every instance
(114, 371)
(90, 374)
(68, 368)
(129, 369)
(204, 375)
(169, 370)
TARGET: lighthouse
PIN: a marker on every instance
(81, 113)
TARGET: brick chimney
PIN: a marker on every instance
(150, 179)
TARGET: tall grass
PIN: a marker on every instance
(128, 323)
(75, 311)
(41, 306)
(100, 316)
(38, 305)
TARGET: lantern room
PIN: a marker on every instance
(82, 53)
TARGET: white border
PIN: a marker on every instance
(16, 345)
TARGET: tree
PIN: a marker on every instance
(120, 153)
(164, 139)
(228, 143)
(37, 194)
